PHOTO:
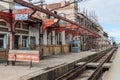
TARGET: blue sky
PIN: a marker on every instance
(107, 11)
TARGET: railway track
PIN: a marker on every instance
(102, 58)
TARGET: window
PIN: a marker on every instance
(24, 42)
(1, 41)
(51, 37)
(16, 42)
(25, 26)
(60, 38)
(17, 25)
(3, 23)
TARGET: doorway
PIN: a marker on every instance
(1, 41)
(25, 43)
(16, 42)
(32, 43)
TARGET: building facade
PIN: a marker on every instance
(57, 34)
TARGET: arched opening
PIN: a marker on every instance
(17, 25)
(2, 23)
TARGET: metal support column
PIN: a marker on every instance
(41, 41)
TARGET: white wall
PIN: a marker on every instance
(63, 37)
(45, 38)
(53, 36)
(69, 38)
(7, 5)
(33, 31)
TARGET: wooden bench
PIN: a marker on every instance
(23, 56)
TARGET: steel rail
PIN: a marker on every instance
(76, 71)
(98, 70)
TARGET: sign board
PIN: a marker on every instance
(23, 11)
(21, 17)
(38, 15)
(23, 55)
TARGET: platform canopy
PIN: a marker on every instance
(47, 12)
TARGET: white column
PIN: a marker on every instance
(20, 40)
(11, 40)
(28, 41)
(5, 41)
(53, 37)
(58, 38)
(48, 38)
(7, 37)
(45, 38)
(63, 37)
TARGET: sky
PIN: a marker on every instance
(108, 13)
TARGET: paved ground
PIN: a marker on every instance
(114, 72)
(22, 69)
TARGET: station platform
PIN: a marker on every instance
(114, 71)
(22, 69)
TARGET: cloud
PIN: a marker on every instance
(107, 11)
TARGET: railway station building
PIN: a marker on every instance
(57, 34)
